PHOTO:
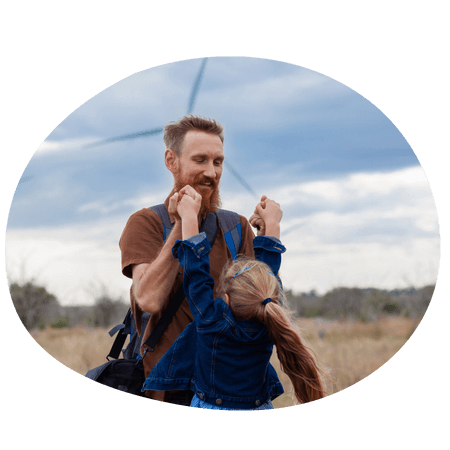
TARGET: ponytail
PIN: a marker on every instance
(296, 360)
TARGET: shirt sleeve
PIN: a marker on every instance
(247, 237)
(141, 240)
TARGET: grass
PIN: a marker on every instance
(348, 351)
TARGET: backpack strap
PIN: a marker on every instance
(163, 322)
(231, 226)
(229, 222)
(209, 225)
(165, 219)
(120, 338)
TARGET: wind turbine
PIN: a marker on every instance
(155, 131)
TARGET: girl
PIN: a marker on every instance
(223, 356)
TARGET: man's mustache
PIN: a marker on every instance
(205, 180)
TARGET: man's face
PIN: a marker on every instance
(200, 165)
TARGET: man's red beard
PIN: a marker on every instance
(210, 194)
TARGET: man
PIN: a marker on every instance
(194, 155)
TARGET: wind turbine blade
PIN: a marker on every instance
(241, 180)
(196, 86)
(124, 137)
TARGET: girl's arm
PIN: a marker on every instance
(198, 284)
(267, 244)
(268, 250)
(187, 204)
(192, 253)
(189, 227)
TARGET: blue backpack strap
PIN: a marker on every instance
(229, 222)
(231, 226)
(209, 225)
(165, 219)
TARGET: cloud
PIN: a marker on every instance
(371, 195)
(272, 101)
(391, 195)
(70, 261)
(377, 229)
(105, 208)
(378, 195)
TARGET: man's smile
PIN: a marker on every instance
(206, 183)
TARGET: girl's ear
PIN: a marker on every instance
(171, 160)
(227, 299)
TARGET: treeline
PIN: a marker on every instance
(362, 304)
(38, 308)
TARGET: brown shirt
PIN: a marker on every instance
(141, 242)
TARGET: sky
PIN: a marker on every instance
(357, 207)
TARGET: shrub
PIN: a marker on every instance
(62, 322)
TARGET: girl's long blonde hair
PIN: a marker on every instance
(248, 283)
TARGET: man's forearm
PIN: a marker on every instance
(152, 286)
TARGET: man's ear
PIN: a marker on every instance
(171, 160)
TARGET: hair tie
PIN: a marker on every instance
(240, 271)
(267, 300)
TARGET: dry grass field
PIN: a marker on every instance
(348, 351)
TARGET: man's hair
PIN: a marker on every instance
(175, 132)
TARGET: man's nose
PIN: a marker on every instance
(210, 171)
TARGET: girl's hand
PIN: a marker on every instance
(269, 210)
(189, 205)
(188, 208)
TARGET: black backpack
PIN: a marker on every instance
(127, 374)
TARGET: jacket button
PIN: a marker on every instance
(257, 403)
(200, 395)
(218, 401)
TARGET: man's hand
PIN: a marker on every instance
(172, 209)
(256, 221)
(267, 217)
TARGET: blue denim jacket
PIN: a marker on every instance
(223, 360)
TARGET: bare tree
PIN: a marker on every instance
(33, 303)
